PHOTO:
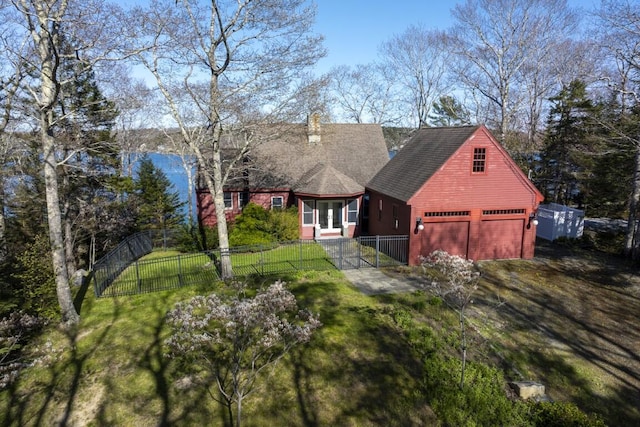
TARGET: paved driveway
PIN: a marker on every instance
(372, 281)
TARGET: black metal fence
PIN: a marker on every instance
(366, 251)
(110, 266)
(142, 276)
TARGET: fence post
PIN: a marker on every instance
(340, 241)
(261, 260)
(138, 280)
(359, 252)
(180, 282)
(377, 251)
(300, 263)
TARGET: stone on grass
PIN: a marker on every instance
(528, 390)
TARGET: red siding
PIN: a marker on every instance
(502, 188)
(207, 211)
(455, 188)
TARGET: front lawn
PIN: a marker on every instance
(569, 321)
(357, 370)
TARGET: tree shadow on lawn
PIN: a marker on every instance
(567, 312)
(362, 364)
(53, 395)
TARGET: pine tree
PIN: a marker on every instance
(565, 159)
(448, 111)
(613, 163)
(158, 206)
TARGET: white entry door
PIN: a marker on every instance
(330, 215)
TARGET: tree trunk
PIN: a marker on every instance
(45, 38)
(631, 249)
(3, 225)
(239, 410)
(54, 218)
(214, 185)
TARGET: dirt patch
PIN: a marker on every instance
(569, 318)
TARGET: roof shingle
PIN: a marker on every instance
(425, 153)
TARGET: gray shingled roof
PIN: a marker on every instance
(325, 180)
(418, 160)
(352, 153)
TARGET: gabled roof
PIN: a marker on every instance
(342, 162)
(425, 153)
(326, 180)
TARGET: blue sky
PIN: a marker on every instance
(354, 29)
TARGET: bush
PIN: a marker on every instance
(15, 332)
(37, 282)
(189, 239)
(284, 224)
(251, 227)
(481, 402)
(560, 414)
(258, 226)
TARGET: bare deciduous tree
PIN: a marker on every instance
(226, 68)
(418, 63)
(455, 281)
(44, 25)
(500, 47)
(362, 93)
(234, 341)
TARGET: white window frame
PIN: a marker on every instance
(312, 205)
(350, 211)
(273, 206)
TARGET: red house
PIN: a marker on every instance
(320, 168)
(455, 189)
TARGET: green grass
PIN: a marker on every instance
(163, 270)
(111, 371)
(383, 360)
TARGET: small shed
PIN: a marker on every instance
(555, 221)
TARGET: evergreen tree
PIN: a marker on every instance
(93, 212)
(565, 160)
(613, 163)
(448, 111)
(158, 206)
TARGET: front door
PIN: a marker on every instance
(330, 215)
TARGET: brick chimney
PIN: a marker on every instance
(313, 128)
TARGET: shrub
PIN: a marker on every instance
(189, 239)
(229, 342)
(482, 402)
(561, 414)
(15, 331)
(284, 224)
(37, 282)
(251, 227)
(258, 226)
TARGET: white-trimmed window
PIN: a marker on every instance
(277, 202)
(228, 199)
(352, 211)
(307, 212)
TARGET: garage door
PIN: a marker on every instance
(500, 239)
(449, 236)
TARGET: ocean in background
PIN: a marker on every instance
(173, 167)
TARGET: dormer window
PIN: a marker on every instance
(479, 160)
